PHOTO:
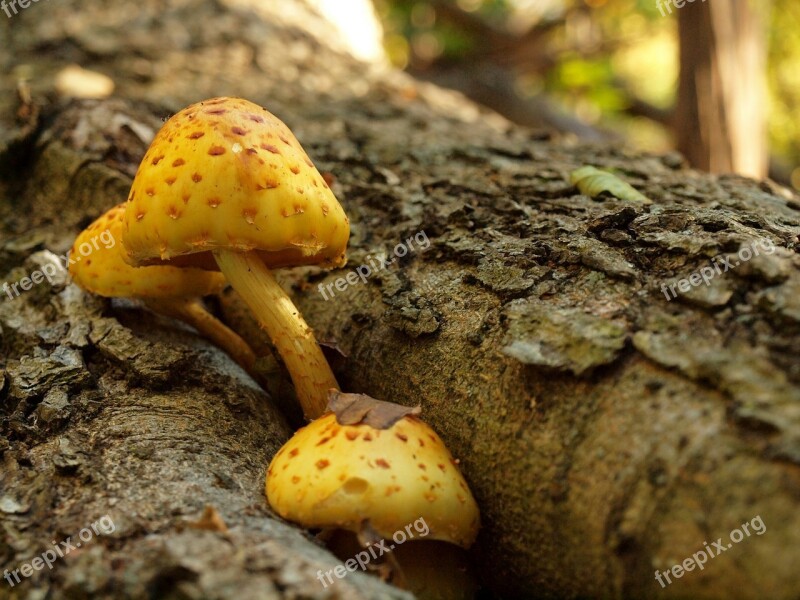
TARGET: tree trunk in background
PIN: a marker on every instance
(720, 123)
(606, 429)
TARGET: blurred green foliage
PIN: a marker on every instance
(783, 77)
(627, 42)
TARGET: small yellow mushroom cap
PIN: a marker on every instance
(227, 174)
(99, 266)
(337, 476)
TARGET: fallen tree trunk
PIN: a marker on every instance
(608, 426)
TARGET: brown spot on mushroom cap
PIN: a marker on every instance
(270, 148)
(200, 239)
(196, 135)
(383, 463)
(216, 151)
(214, 202)
(238, 131)
(269, 184)
(158, 159)
(322, 463)
(197, 178)
(249, 215)
(178, 162)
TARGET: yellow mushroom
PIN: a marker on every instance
(225, 184)
(167, 290)
(339, 476)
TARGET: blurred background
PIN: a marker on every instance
(716, 79)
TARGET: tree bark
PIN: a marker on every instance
(720, 122)
(605, 430)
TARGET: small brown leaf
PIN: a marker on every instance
(211, 520)
(353, 409)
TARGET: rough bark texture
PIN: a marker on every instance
(605, 430)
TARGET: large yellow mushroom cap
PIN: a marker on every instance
(337, 476)
(99, 266)
(226, 173)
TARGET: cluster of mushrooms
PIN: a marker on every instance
(224, 194)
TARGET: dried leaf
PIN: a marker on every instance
(353, 409)
(211, 520)
(592, 182)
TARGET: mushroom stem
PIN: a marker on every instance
(192, 312)
(279, 317)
